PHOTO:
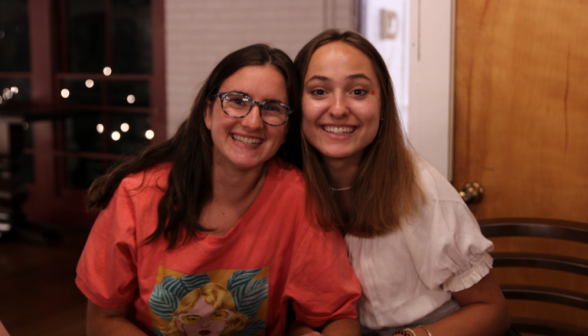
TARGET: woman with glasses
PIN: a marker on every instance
(207, 233)
(417, 250)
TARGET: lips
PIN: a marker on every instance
(247, 140)
(339, 130)
(204, 332)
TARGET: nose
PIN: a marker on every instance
(253, 119)
(339, 108)
(205, 323)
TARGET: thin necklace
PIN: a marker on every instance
(333, 190)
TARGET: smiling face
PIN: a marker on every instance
(247, 143)
(340, 102)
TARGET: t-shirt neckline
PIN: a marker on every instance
(214, 242)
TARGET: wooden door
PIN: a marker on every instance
(521, 120)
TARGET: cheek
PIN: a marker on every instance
(312, 108)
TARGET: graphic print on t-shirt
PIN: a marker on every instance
(215, 303)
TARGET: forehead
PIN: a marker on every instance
(258, 81)
(339, 59)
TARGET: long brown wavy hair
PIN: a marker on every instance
(190, 150)
(386, 188)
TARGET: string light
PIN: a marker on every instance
(89, 83)
(130, 99)
(65, 93)
(115, 136)
(124, 127)
(6, 94)
(107, 71)
(149, 134)
(100, 128)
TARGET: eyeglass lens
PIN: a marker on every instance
(217, 316)
(238, 105)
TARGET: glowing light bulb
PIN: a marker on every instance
(14, 89)
(89, 83)
(6, 94)
(100, 128)
(130, 99)
(149, 134)
(107, 71)
(115, 136)
(65, 93)
(124, 127)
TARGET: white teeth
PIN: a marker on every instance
(247, 141)
(339, 130)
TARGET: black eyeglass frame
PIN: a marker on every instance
(221, 95)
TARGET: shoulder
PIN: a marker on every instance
(434, 185)
(153, 177)
(285, 176)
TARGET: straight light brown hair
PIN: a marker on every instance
(190, 150)
(385, 189)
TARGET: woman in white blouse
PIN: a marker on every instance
(416, 248)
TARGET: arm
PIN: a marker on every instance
(483, 312)
(344, 327)
(297, 328)
(109, 321)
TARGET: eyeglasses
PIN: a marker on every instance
(217, 316)
(238, 105)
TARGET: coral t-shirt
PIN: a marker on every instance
(238, 284)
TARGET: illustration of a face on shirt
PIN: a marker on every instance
(210, 309)
(203, 319)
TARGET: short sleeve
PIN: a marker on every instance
(444, 240)
(321, 282)
(106, 271)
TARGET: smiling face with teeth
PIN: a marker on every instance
(340, 102)
(247, 143)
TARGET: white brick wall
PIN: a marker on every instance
(200, 33)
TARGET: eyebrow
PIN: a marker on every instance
(326, 79)
(359, 75)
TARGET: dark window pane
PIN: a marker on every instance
(81, 92)
(131, 36)
(85, 35)
(14, 36)
(28, 135)
(128, 93)
(15, 90)
(131, 129)
(80, 173)
(27, 170)
(83, 132)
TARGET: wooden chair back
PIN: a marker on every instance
(565, 231)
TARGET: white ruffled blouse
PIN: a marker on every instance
(408, 273)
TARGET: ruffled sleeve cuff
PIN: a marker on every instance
(470, 277)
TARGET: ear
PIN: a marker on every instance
(208, 115)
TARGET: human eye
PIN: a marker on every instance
(237, 100)
(318, 92)
(273, 108)
(359, 92)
